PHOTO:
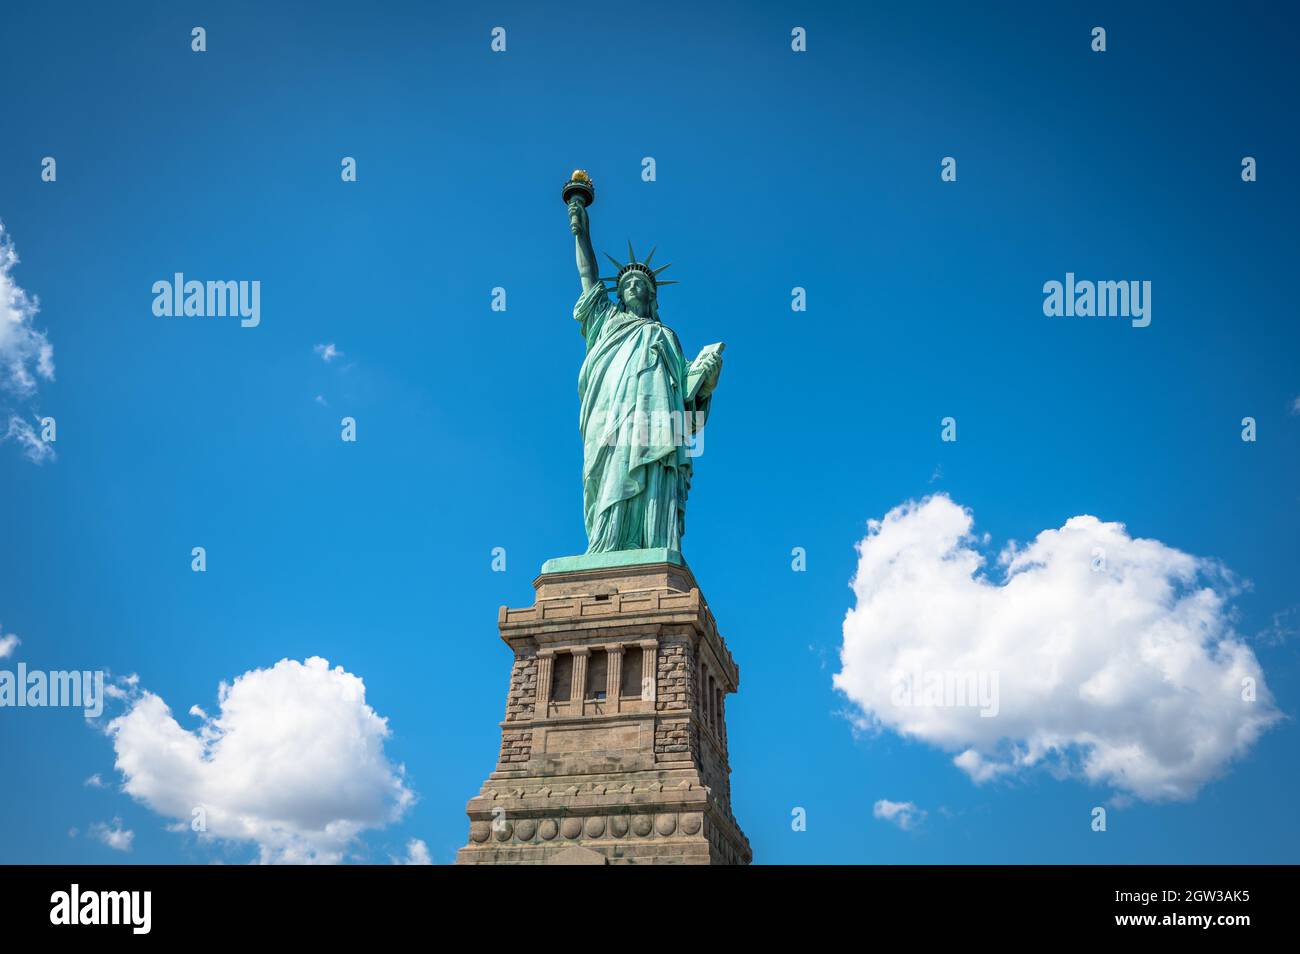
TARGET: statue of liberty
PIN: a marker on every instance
(642, 403)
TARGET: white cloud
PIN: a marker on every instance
(21, 432)
(1283, 627)
(327, 352)
(293, 762)
(95, 781)
(123, 688)
(1112, 658)
(8, 644)
(114, 835)
(417, 853)
(1295, 406)
(25, 353)
(903, 814)
(26, 356)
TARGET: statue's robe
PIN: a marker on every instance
(636, 424)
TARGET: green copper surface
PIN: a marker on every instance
(612, 558)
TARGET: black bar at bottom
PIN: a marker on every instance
(512, 905)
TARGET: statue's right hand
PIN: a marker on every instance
(577, 217)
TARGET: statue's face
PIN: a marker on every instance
(635, 288)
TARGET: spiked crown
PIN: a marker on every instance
(633, 265)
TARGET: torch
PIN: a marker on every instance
(581, 188)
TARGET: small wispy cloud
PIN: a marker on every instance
(8, 644)
(1282, 627)
(327, 352)
(113, 835)
(24, 435)
(95, 781)
(26, 357)
(903, 814)
(417, 853)
(1295, 406)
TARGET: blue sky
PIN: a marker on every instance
(774, 170)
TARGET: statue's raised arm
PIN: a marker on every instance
(578, 194)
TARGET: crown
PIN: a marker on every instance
(634, 266)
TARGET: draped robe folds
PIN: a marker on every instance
(636, 424)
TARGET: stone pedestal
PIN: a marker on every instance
(614, 744)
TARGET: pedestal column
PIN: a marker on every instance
(626, 780)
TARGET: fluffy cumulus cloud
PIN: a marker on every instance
(903, 814)
(1092, 653)
(26, 356)
(293, 762)
(8, 643)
